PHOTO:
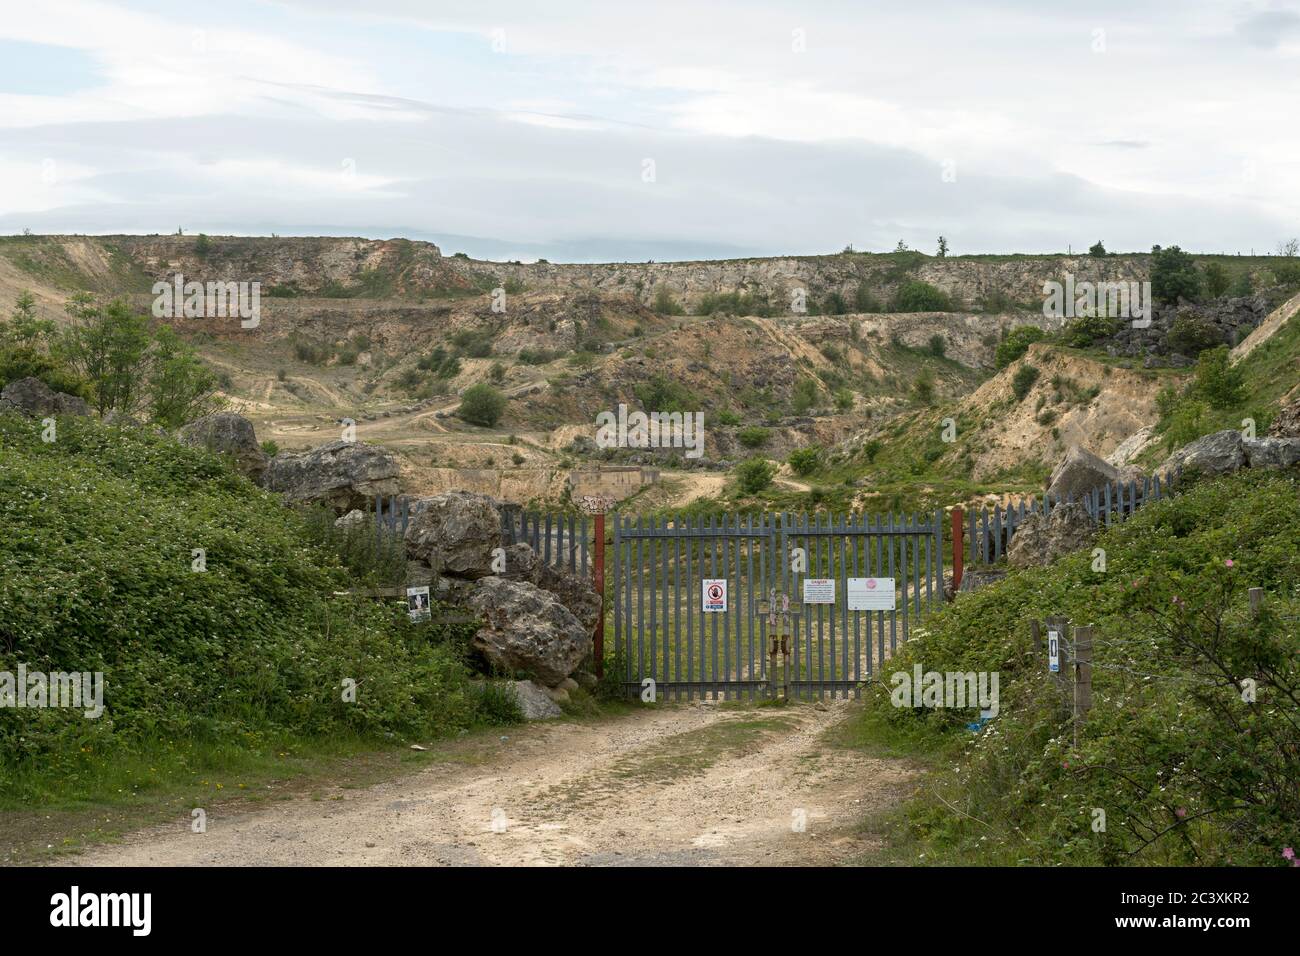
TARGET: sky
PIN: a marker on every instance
(626, 131)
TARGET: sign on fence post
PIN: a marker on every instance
(871, 594)
(818, 590)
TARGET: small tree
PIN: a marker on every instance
(1097, 250)
(1016, 344)
(481, 404)
(180, 387)
(1023, 381)
(1289, 248)
(110, 347)
(1221, 385)
(943, 247)
(1174, 275)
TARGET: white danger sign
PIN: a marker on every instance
(714, 591)
(871, 594)
(818, 590)
(1054, 651)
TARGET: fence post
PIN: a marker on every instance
(1082, 677)
(958, 545)
(598, 576)
(1256, 596)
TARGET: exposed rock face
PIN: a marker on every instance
(526, 628)
(1040, 541)
(1287, 423)
(973, 579)
(344, 475)
(33, 397)
(455, 533)
(521, 563)
(356, 518)
(228, 434)
(1079, 472)
(1219, 454)
(1222, 321)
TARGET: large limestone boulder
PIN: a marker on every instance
(573, 591)
(344, 475)
(1219, 454)
(1041, 540)
(1079, 472)
(33, 397)
(1271, 452)
(228, 434)
(526, 628)
(455, 533)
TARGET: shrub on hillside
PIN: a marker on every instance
(1174, 276)
(1086, 329)
(754, 436)
(1016, 344)
(917, 296)
(1023, 380)
(481, 404)
(97, 564)
(1217, 381)
(1191, 334)
(754, 474)
(804, 461)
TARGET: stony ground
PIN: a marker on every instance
(697, 784)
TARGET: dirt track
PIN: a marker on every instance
(687, 784)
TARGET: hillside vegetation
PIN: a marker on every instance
(249, 653)
(1184, 768)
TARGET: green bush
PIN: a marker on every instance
(917, 296)
(1174, 276)
(1217, 381)
(1023, 380)
(1191, 334)
(663, 394)
(804, 461)
(754, 436)
(481, 404)
(1217, 281)
(754, 474)
(1084, 331)
(805, 396)
(1016, 344)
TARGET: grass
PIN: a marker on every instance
(694, 752)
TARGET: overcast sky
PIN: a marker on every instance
(604, 130)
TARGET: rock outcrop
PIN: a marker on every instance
(33, 397)
(1221, 453)
(1287, 422)
(344, 475)
(455, 533)
(1042, 540)
(526, 628)
(228, 434)
(1078, 473)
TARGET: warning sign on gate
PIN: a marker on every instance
(818, 590)
(715, 594)
(871, 594)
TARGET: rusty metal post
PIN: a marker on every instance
(958, 547)
(598, 576)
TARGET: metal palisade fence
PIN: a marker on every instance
(730, 606)
(990, 530)
(560, 540)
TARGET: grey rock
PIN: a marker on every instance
(1079, 472)
(1219, 454)
(526, 628)
(1271, 452)
(228, 434)
(1042, 540)
(574, 592)
(455, 533)
(973, 580)
(1287, 422)
(521, 563)
(343, 475)
(33, 397)
(534, 701)
(356, 518)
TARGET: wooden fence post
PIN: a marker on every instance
(1082, 677)
(1256, 596)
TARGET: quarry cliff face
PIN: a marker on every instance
(400, 268)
